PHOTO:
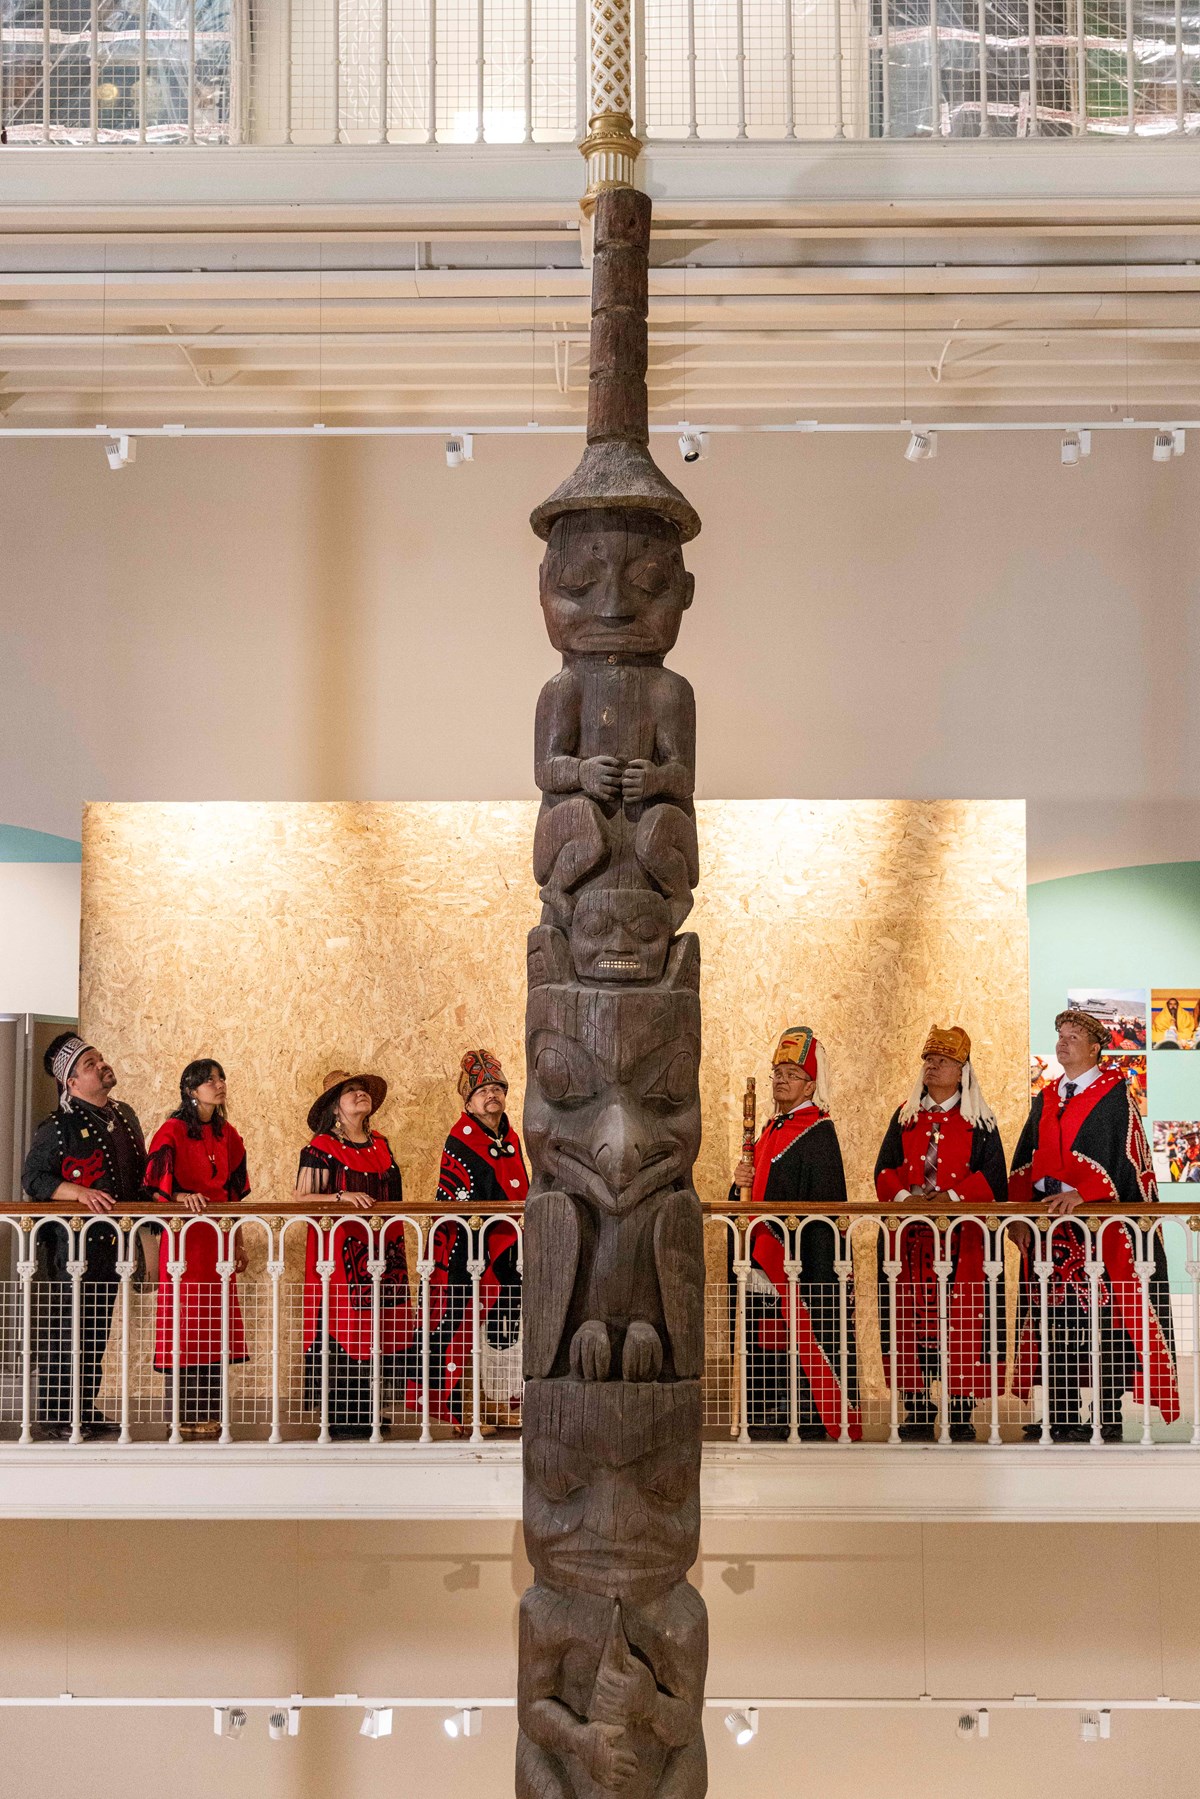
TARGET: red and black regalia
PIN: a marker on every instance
(87, 1146)
(798, 1163)
(1092, 1140)
(191, 1156)
(482, 1173)
(951, 1149)
(332, 1163)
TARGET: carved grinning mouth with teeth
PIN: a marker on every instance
(618, 964)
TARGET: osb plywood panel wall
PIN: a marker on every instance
(290, 939)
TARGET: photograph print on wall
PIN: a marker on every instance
(1175, 1018)
(1122, 1009)
(1134, 1070)
(1176, 1150)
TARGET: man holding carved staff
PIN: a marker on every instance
(1084, 1144)
(796, 1163)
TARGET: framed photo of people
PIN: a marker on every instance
(1175, 1018)
(1134, 1070)
(1175, 1145)
(1122, 1009)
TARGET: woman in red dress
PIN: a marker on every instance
(198, 1160)
(347, 1158)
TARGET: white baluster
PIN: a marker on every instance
(844, 1267)
(225, 1275)
(891, 1269)
(475, 1267)
(125, 1268)
(75, 1268)
(376, 1266)
(26, 1265)
(425, 1278)
(942, 1269)
(325, 1273)
(1144, 1267)
(1095, 1270)
(741, 1274)
(791, 1268)
(275, 1274)
(175, 1268)
(993, 1268)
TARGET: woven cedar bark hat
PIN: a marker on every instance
(320, 1113)
(1087, 1021)
(617, 469)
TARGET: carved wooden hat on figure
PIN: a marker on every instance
(613, 1644)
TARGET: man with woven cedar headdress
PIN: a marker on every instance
(482, 1173)
(797, 1162)
(942, 1147)
(1084, 1144)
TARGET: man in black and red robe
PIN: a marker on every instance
(1084, 1143)
(942, 1148)
(797, 1163)
(483, 1173)
(90, 1149)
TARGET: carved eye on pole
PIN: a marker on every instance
(553, 1073)
(677, 1082)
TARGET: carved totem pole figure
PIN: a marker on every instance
(613, 1644)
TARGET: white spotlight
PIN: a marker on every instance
(973, 1726)
(1095, 1727)
(921, 446)
(377, 1722)
(228, 1720)
(1168, 444)
(460, 449)
(282, 1723)
(121, 451)
(466, 1723)
(742, 1726)
(693, 445)
(1071, 450)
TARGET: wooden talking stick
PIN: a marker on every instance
(748, 1133)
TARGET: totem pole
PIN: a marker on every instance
(613, 1639)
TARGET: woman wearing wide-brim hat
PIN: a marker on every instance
(346, 1158)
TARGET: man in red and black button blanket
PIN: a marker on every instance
(482, 1173)
(1084, 1144)
(942, 1148)
(797, 1162)
(90, 1149)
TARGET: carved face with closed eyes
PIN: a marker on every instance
(612, 1484)
(620, 934)
(612, 1105)
(613, 581)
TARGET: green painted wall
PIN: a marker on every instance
(1123, 927)
(20, 845)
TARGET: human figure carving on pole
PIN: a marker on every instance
(613, 1645)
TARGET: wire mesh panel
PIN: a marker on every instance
(414, 71)
(98, 71)
(1023, 68)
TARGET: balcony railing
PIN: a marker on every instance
(932, 1327)
(507, 71)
